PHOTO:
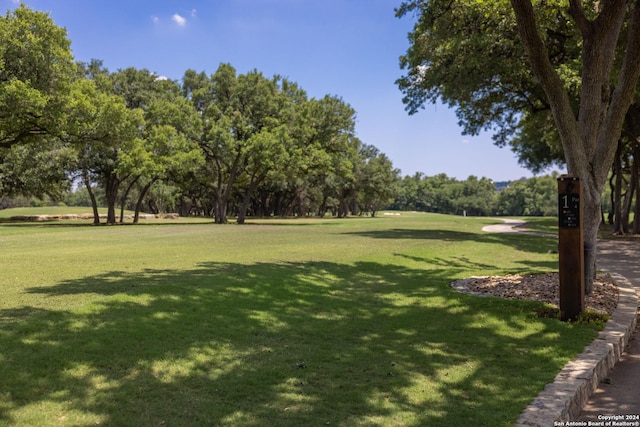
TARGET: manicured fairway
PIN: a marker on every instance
(275, 323)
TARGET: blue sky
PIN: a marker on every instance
(348, 48)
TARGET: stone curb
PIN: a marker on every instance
(563, 399)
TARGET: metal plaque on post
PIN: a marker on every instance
(570, 247)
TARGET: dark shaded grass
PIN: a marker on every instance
(282, 344)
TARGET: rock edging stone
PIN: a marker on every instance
(563, 399)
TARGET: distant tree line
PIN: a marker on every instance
(474, 196)
(221, 145)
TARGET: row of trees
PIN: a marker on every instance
(221, 144)
(229, 144)
(624, 184)
(535, 196)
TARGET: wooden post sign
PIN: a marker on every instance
(570, 247)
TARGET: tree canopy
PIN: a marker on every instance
(584, 64)
(221, 144)
(36, 69)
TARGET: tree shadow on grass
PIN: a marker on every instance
(528, 243)
(462, 263)
(313, 343)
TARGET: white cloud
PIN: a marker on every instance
(155, 19)
(193, 13)
(179, 20)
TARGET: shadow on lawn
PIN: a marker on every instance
(535, 244)
(312, 343)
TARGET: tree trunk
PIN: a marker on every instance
(223, 190)
(591, 225)
(136, 216)
(242, 213)
(220, 211)
(589, 140)
(635, 176)
(628, 199)
(612, 201)
(617, 191)
(343, 208)
(246, 199)
(123, 200)
(94, 203)
(111, 193)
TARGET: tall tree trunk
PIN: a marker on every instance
(354, 206)
(219, 201)
(617, 191)
(628, 200)
(343, 208)
(635, 176)
(322, 209)
(111, 192)
(223, 190)
(220, 210)
(591, 212)
(588, 140)
(92, 196)
(246, 200)
(125, 196)
(612, 201)
(143, 193)
(242, 213)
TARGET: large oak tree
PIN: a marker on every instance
(588, 108)
(590, 135)
(36, 69)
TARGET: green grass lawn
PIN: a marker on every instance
(540, 224)
(275, 323)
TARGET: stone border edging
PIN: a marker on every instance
(563, 399)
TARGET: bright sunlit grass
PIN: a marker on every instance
(278, 322)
